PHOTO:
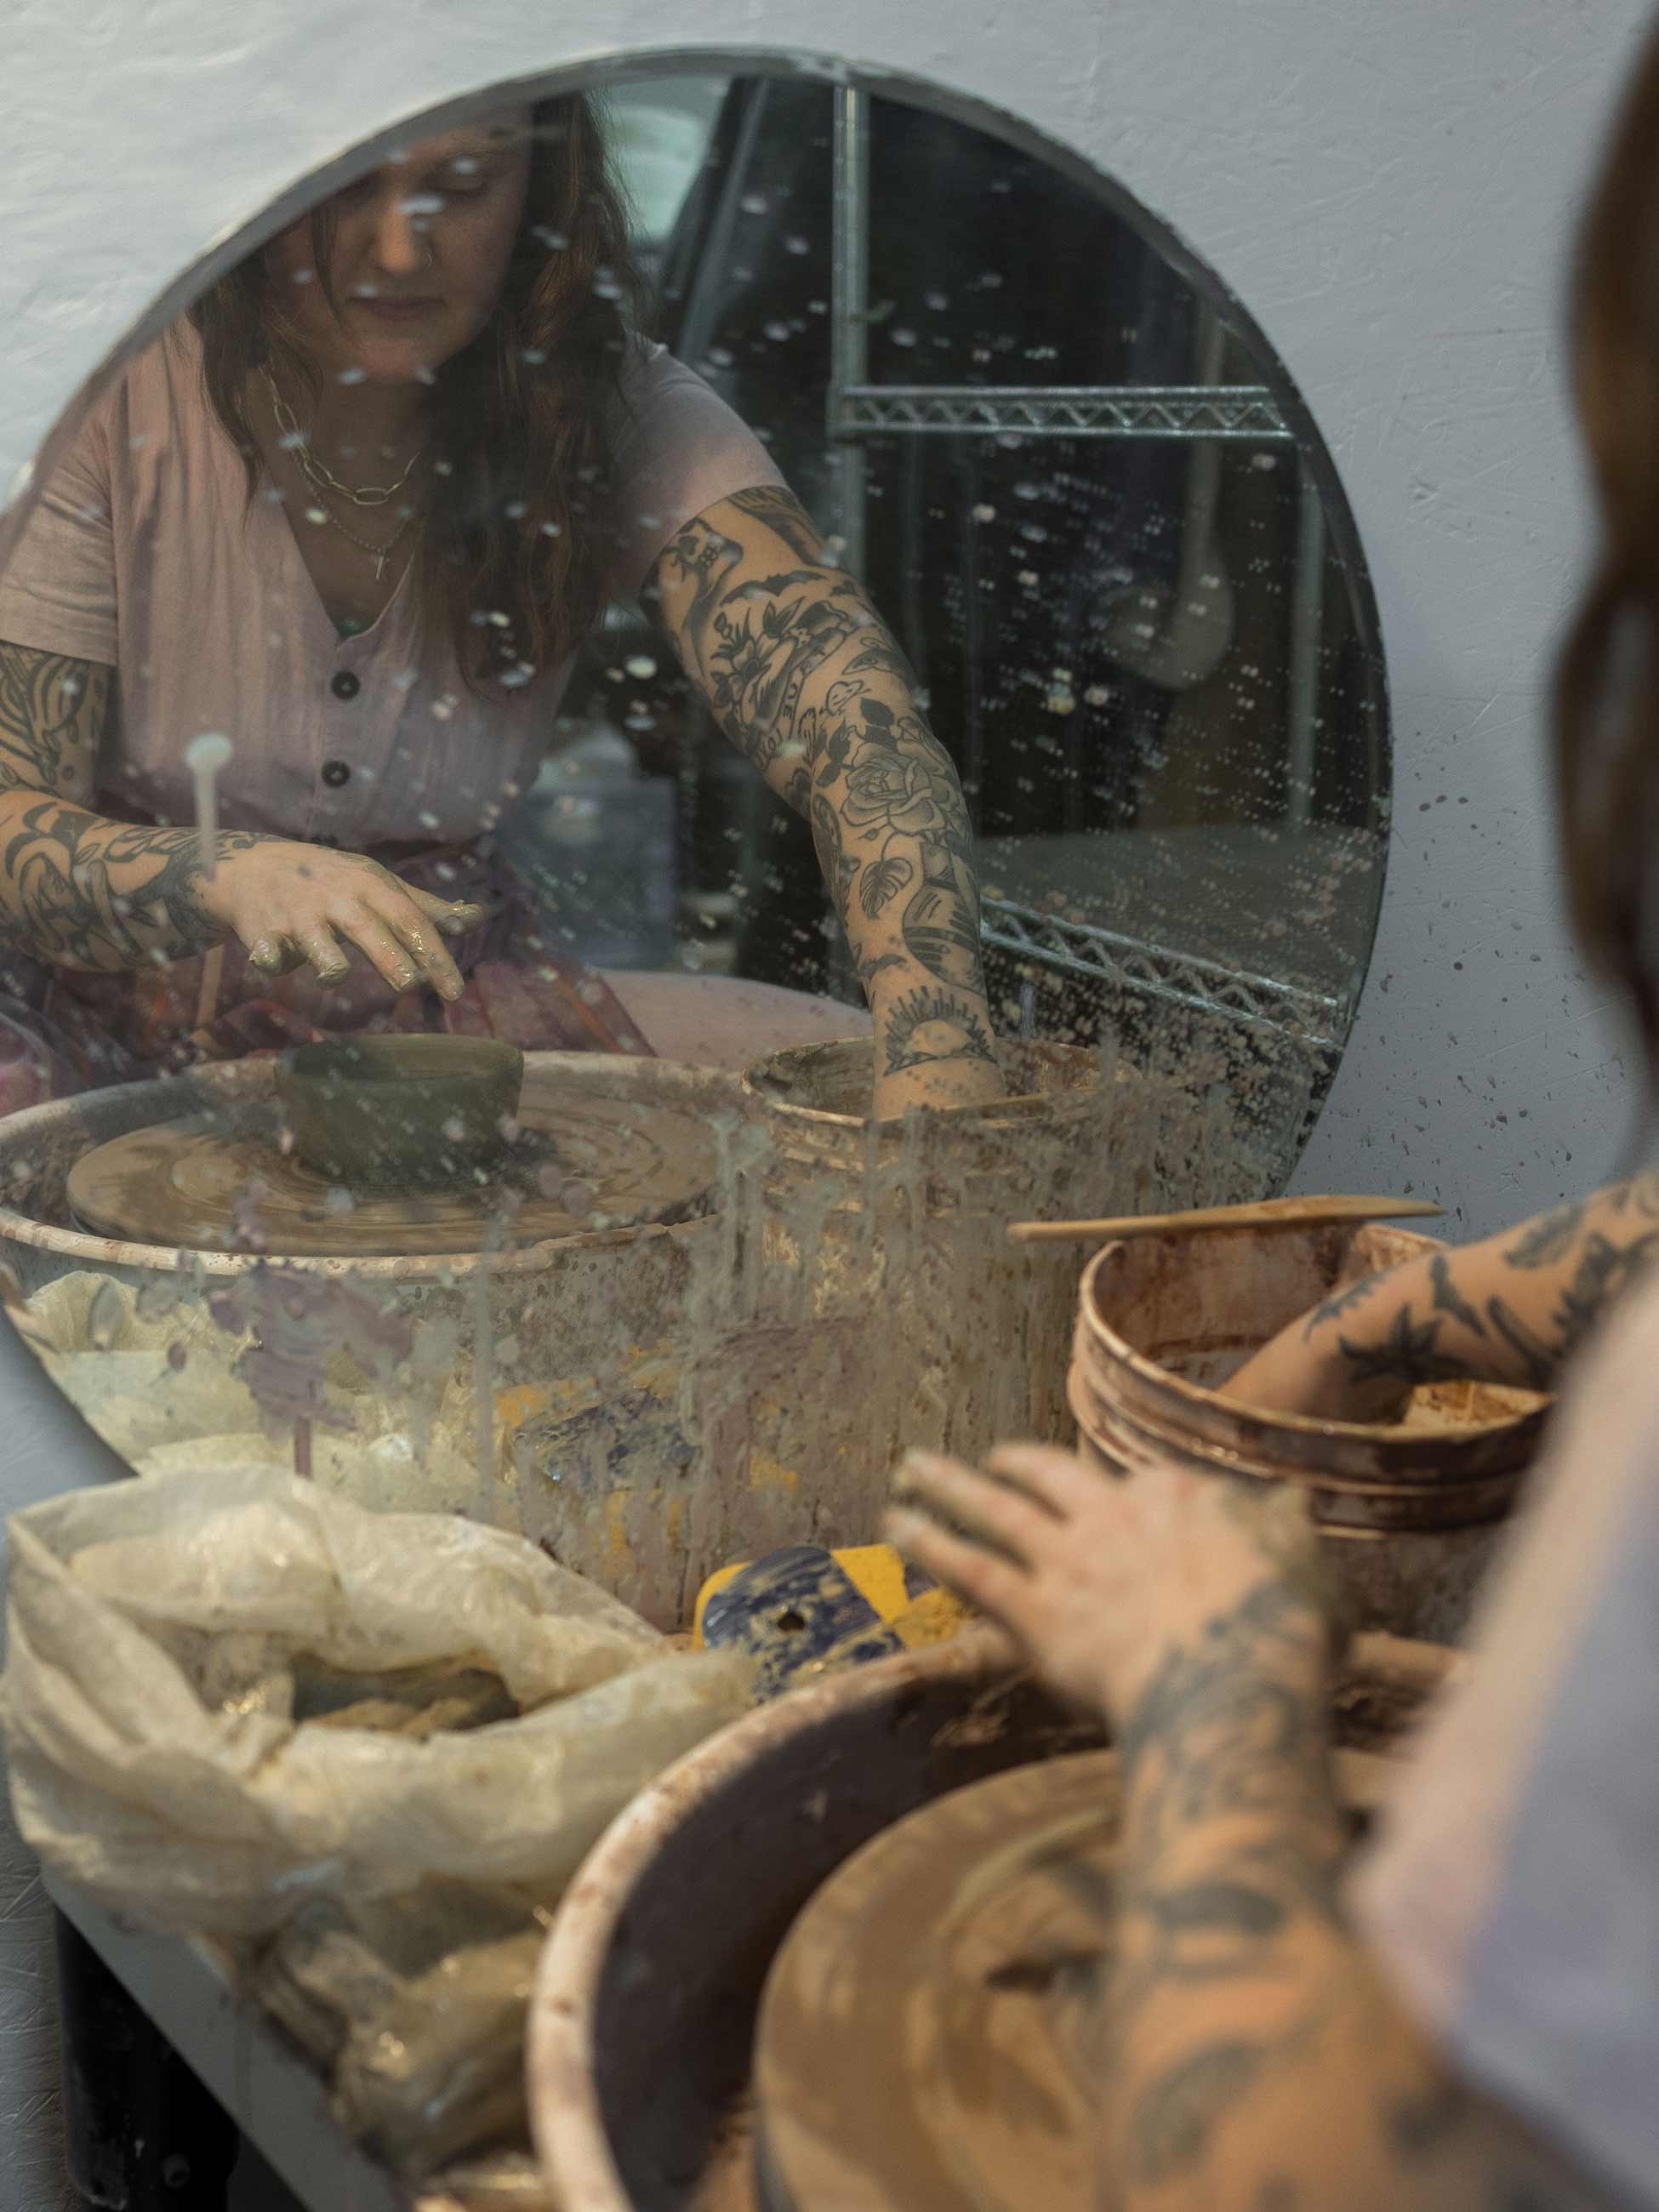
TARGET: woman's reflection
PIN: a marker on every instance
(357, 511)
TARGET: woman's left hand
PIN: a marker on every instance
(1095, 1575)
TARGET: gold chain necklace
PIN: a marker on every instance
(322, 481)
(317, 471)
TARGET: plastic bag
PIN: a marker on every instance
(157, 1630)
(414, 2008)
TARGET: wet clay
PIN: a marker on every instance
(1443, 1408)
(930, 2039)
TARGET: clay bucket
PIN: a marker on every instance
(643, 2020)
(892, 1234)
(1410, 1516)
(815, 1099)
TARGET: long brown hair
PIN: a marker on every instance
(1607, 687)
(523, 418)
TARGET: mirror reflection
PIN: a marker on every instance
(739, 529)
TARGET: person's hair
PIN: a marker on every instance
(524, 419)
(1606, 685)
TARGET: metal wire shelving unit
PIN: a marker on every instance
(857, 410)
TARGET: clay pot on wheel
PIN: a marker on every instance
(400, 1110)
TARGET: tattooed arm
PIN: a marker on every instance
(812, 689)
(1258, 2061)
(87, 893)
(81, 891)
(1508, 1309)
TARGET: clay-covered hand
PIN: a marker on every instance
(1097, 1577)
(292, 904)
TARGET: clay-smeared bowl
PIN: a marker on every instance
(400, 1110)
(642, 2029)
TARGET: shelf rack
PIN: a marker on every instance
(857, 410)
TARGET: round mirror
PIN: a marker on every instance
(354, 573)
(628, 635)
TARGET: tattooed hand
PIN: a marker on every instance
(1100, 1578)
(811, 688)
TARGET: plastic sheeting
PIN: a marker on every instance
(158, 1632)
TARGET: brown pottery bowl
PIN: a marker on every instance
(400, 1110)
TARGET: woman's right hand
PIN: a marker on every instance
(291, 905)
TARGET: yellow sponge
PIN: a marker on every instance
(877, 1573)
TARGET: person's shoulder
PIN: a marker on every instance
(650, 376)
(168, 363)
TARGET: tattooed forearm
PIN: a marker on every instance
(812, 689)
(1254, 2057)
(81, 891)
(1448, 1299)
(1511, 1308)
(871, 966)
(925, 1025)
(1408, 1354)
(87, 893)
(1234, 1714)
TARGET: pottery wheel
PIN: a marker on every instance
(930, 2036)
(215, 1188)
(927, 2036)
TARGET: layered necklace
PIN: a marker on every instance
(324, 482)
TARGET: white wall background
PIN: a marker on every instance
(1389, 188)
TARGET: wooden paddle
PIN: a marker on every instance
(1260, 1213)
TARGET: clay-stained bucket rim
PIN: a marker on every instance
(566, 2122)
(1344, 1505)
(234, 1082)
(759, 1087)
(1162, 1381)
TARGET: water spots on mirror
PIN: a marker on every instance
(1076, 493)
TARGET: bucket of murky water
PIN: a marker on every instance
(1409, 1511)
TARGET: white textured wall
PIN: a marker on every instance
(1388, 186)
